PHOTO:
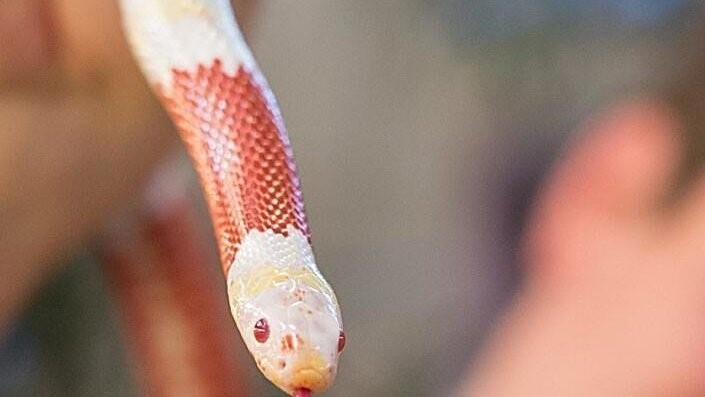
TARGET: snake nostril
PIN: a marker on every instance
(289, 342)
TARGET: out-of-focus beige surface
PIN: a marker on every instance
(388, 127)
(417, 158)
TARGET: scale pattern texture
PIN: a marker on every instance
(235, 135)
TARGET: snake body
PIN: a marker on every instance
(194, 56)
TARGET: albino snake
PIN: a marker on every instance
(194, 56)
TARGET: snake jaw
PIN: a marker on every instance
(311, 372)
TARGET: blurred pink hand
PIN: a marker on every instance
(614, 304)
(81, 132)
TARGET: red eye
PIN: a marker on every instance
(341, 341)
(261, 330)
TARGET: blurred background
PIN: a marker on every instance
(421, 130)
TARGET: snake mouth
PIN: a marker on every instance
(309, 378)
(309, 373)
(302, 393)
(312, 374)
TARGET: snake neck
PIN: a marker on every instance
(234, 133)
(193, 53)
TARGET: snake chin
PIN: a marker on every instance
(298, 348)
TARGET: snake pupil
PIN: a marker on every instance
(261, 331)
(341, 341)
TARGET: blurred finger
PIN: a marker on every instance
(67, 165)
(621, 164)
(29, 39)
(612, 177)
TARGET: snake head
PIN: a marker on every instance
(290, 322)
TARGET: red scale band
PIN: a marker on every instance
(233, 132)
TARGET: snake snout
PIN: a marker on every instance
(312, 372)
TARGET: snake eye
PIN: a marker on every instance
(261, 330)
(341, 341)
